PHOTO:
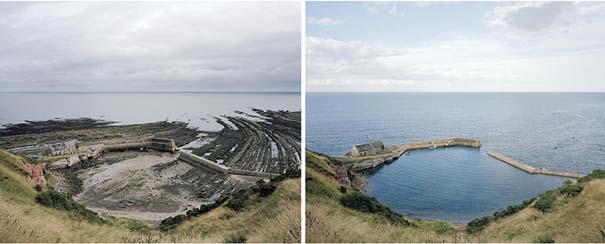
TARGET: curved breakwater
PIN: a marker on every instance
(394, 152)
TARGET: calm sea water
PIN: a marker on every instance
(197, 109)
(558, 131)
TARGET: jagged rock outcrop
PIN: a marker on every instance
(37, 175)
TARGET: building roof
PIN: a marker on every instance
(63, 145)
(71, 143)
(369, 146)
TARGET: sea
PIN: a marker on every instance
(557, 131)
(199, 109)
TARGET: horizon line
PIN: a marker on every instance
(150, 92)
(456, 91)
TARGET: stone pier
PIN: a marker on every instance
(394, 152)
(532, 170)
(201, 161)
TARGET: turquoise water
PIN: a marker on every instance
(558, 131)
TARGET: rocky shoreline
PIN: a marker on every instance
(268, 142)
(271, 144)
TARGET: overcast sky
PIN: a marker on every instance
(472, 46)
(154, 46)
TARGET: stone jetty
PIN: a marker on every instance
(201, 161)
(449, 142)
(394, 152)
(160, 144)
(532, 170)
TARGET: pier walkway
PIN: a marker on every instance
(201, 161)
(532, 170)
(449, 142)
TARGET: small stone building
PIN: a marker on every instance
(370, 148)
(62, 148)
(163, 144)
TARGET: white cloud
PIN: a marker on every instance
(393, 10)
(540, 17)
(488, 63)
(382, 7)
(353, 51)
(325, 21)
(372, 10)
(532, 16)
(423, 4)
(154, 46)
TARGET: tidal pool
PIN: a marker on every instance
(453, 184)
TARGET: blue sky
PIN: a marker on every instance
(393, 23)
(455, 46)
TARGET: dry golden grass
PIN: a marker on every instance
(269, 221)
(30, 223)
(575, 219)
(272, 219)
(328, 222)
(275, 219)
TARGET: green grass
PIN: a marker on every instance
(570, 189)
(13, 163)
(595, 174)
(545, 201)
(544, 239)
(238, 237)
(364, 203)
(480, 223)
(322, 185)
(319, 163)
(441, 227)
(54, 199)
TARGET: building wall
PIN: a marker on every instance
(356, 152)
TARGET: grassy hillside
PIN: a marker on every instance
(274, 218)
(571, 219)
(572, 213)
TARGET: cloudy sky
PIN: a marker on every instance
(150, 46)
(472, 46)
